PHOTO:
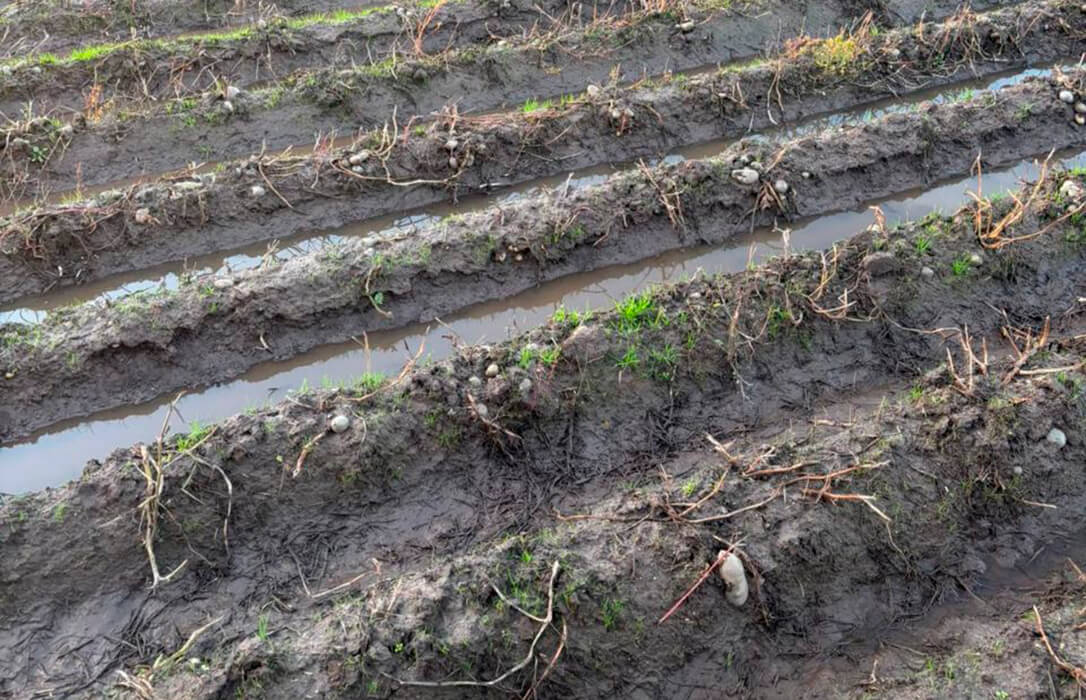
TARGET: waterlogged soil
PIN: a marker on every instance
(624, 124)
(56, 27)
(466, 510)
(150, 71)
(90, 358)
(295, 111)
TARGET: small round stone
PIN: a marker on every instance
(1067, 96)
(1057, 437)
(9, 375)
(926, 272)
(745, 176)
(1080, 107)
(143, 216)
(482, 410)
(493, 370)
(257, 191)
(781, 186)
(1017, 471)
(592, 90)
(976, 259)
(525, 386)
(223, 283)
(475, 381)
(340, 423)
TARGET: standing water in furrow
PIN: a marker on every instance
(60, 453)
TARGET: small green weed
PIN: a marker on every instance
(531, 105)
(611, 610)
(197, 432)
(565, 317)
(630, 360)
(960, 266)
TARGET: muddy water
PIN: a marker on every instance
(57, 455)
(33, 309)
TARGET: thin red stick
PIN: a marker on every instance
(701, 579)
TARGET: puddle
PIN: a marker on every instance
(34, 309)
(59, 454)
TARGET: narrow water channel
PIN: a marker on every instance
(33, 309)
(58, 454)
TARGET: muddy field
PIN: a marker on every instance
(840, 453)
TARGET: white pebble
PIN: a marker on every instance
(232, 92)
(781, 186)
(735, 578)
(592, 90)
(223, 283)
(1070, 190)
(1080, 107)
(228, 106)
(745, 176)
(976, 259)
(1067, 96)
(359, 158)
(926, 272)
(525, 386)
(256, 191)
(1057, 437)
(475, 381)
(493, 370)
(451, 144)
(340, 423)
(143, 216)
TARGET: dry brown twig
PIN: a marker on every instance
(671, 198)
(1031, 345)
(153, 469)
(419, 34)
(140, 682)
(993, 233)
(702, 578)
(963, 382)
(1077, 674)
(545, 622)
